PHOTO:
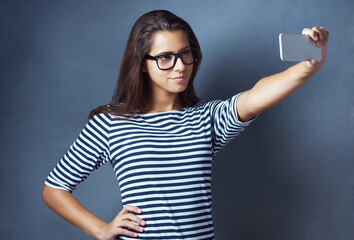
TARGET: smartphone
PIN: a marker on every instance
(298, 47)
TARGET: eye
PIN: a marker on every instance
(165, 58)
(187, 52)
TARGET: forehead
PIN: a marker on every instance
(168, 41)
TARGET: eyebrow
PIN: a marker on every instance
(163, 53)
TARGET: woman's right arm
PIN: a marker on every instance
(64, 204)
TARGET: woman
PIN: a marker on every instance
(160, 144)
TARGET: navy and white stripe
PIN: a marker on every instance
(162, 162)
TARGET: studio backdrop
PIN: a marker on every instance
(289, 175)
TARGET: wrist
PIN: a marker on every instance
(100, 231)
(302, 71)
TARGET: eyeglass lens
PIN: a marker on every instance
(168, 60)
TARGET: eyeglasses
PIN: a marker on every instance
(168, 61)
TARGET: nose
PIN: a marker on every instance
(179, 65)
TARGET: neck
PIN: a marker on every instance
(163, 103)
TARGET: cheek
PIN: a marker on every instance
(189, 70)
(155, 73)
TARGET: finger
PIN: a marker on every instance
(131, 225)
(324, 53)
(313, 35)
(125, 232)
(321, 36)
(324, 29)
(132, 217)
(130, 208)
(326, 33)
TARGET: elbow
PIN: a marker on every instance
(45, 194)
(48, 195)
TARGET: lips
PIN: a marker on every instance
(179, 78)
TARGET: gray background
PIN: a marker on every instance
(288, 176)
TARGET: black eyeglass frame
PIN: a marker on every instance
(177, 55)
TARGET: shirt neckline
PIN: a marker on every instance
(165, 112)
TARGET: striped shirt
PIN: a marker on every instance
(162, 162)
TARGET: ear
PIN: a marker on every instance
(143, 67)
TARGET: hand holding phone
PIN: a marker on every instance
(298, 47)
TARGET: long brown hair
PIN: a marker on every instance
(131, 91)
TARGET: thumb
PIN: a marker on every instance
(310, 66)
(313, 62)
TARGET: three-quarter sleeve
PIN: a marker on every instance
(89, 151)
(225, 122)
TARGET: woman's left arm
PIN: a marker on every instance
(271, 90)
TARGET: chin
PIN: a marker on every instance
(180, 89)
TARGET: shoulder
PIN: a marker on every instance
(200, 108)
(101, 116)
(101, 119)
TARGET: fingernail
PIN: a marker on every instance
(135, 235)
(139, 210)
(141, 229)
(142, 222)
(316, 38)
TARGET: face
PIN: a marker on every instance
(174, 80)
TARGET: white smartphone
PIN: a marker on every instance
(298, 47)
